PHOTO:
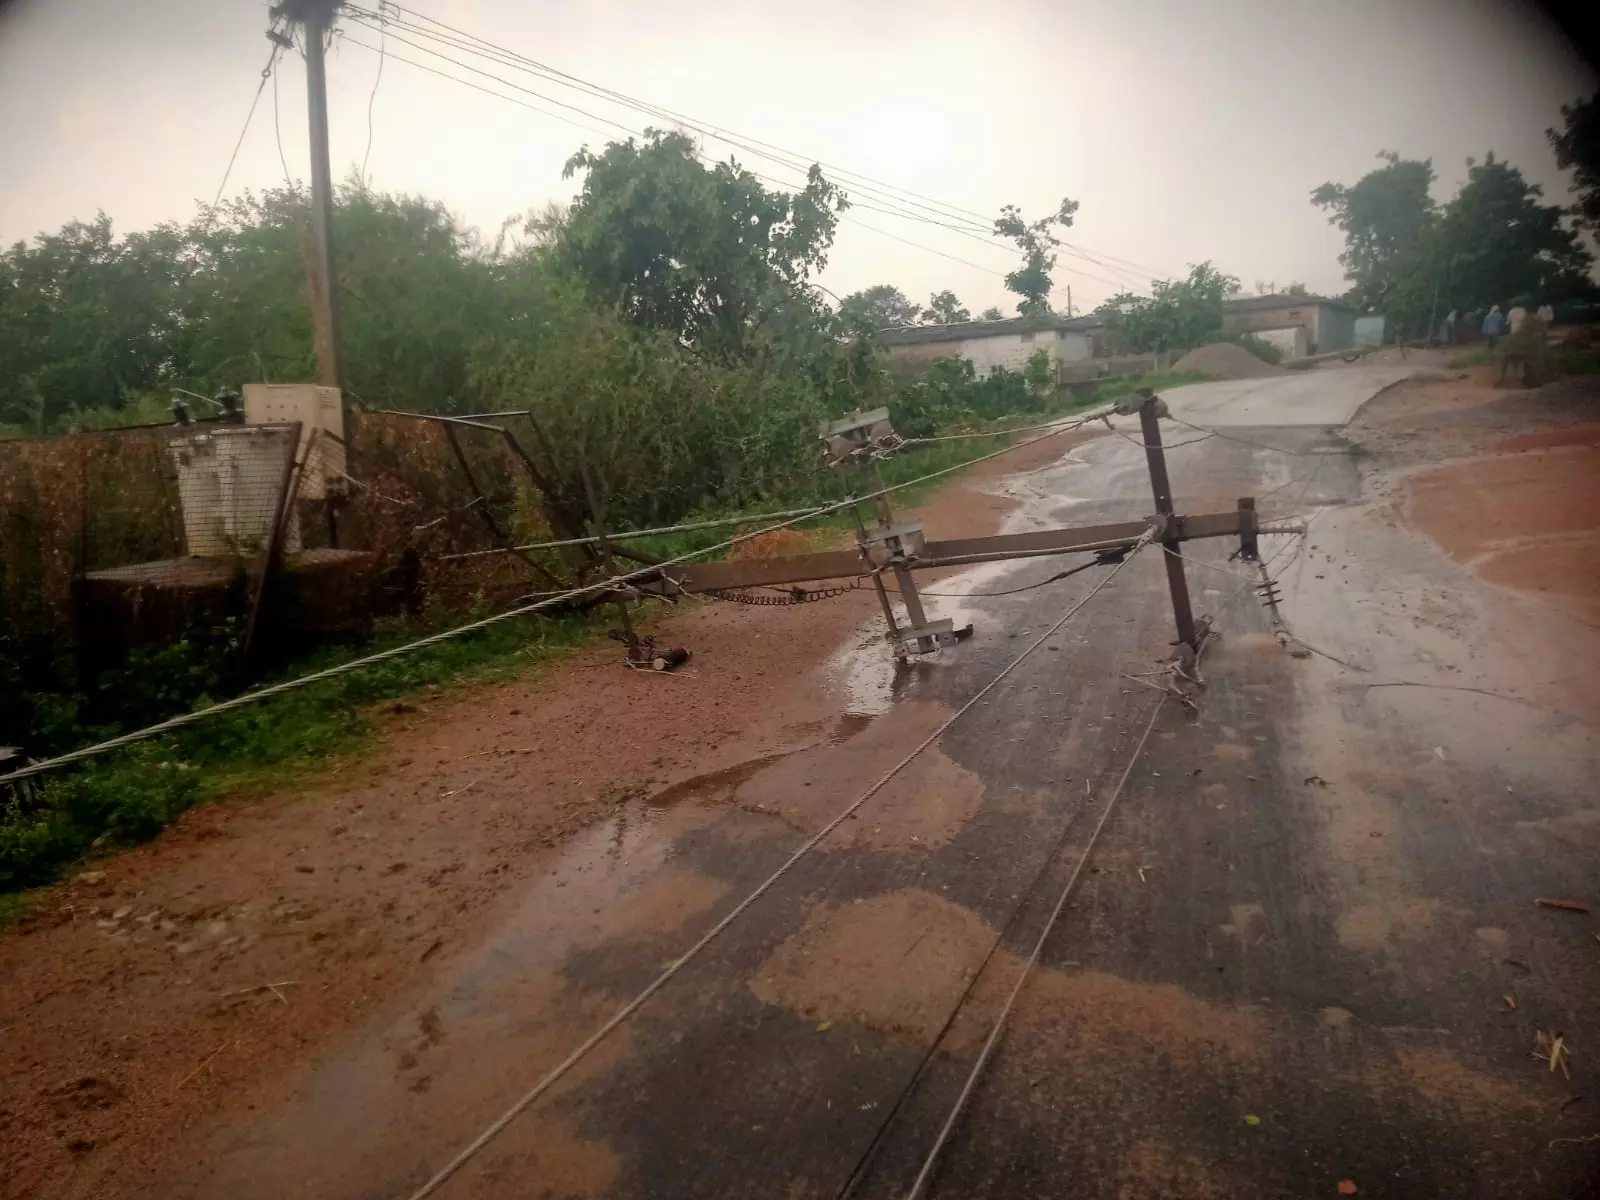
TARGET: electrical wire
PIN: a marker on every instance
(1023, 976)
(190, 718)
(266, 73)
(1229, 437)
(966, 262)
(899, 201)
(1104, 559)
(460, 39)
(631, 132)
(500, 79)
(1061, 425)
(632, 534)
(277, 133)
(346, 39)
(553, 1076)
(383, 47)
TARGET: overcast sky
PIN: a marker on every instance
(1186, 131)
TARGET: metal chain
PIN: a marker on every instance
(787, 597)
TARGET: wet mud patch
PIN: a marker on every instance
(1150, 1167)
(1386, 926)
(1432, 1077)
(557, 1165)
(1527, 519)
(894, 963)
(1094, 1015)
(924, 806)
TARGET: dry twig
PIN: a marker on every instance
(204, 1063)
(263, 987)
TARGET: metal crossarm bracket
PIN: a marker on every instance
(942, 633)
(850, 438)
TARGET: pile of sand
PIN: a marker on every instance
(1224, 360)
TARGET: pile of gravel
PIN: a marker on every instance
(1224, 360)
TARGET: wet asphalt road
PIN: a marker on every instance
(1284, 967)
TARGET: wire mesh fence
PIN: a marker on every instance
(114, 541)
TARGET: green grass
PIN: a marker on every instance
(1572, 359)
(1562, 358)
(130, 795)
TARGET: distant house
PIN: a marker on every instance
(990, 344)
(1297, 325)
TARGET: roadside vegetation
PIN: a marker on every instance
(131, 794)
(1497, 241)
(663, 328)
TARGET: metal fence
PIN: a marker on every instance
(119, 539)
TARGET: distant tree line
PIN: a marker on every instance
(1495, 242)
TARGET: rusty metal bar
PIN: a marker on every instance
(482, 505)
(1161, 487)
(597, 521)
(1249, 528)
(916, 617)
(294, 467)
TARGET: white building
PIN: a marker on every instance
(990, 344)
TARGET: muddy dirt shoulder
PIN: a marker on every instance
(1430, 420)
(135, 1003)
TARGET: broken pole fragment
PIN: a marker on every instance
(1171, 540)
(1249, 528)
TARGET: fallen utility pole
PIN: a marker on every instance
(1161, 487)
(901, 547)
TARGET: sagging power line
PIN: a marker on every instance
(867, 193)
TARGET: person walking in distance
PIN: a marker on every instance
(1494, 326)
(1450, 320)
(1518, 316)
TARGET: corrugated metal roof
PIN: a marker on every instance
(1279, 300)
(910, 335)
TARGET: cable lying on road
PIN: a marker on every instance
(932, 1161)
(1105, 558)
(499, 1124)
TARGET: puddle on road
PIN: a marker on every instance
(383, 1109)
(847, 726)
(865, 670)
(713, 785)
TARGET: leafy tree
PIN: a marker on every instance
(1031, 281)
(1391, 229)
(1501, 243)
(705, 253)
(1296, 289)
(1577, 147)
(944, 309)
(86, 320)
(1178, 315)
(991, 313)
(881, 307)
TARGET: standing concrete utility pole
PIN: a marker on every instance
(1171, 539)
(315, 17)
